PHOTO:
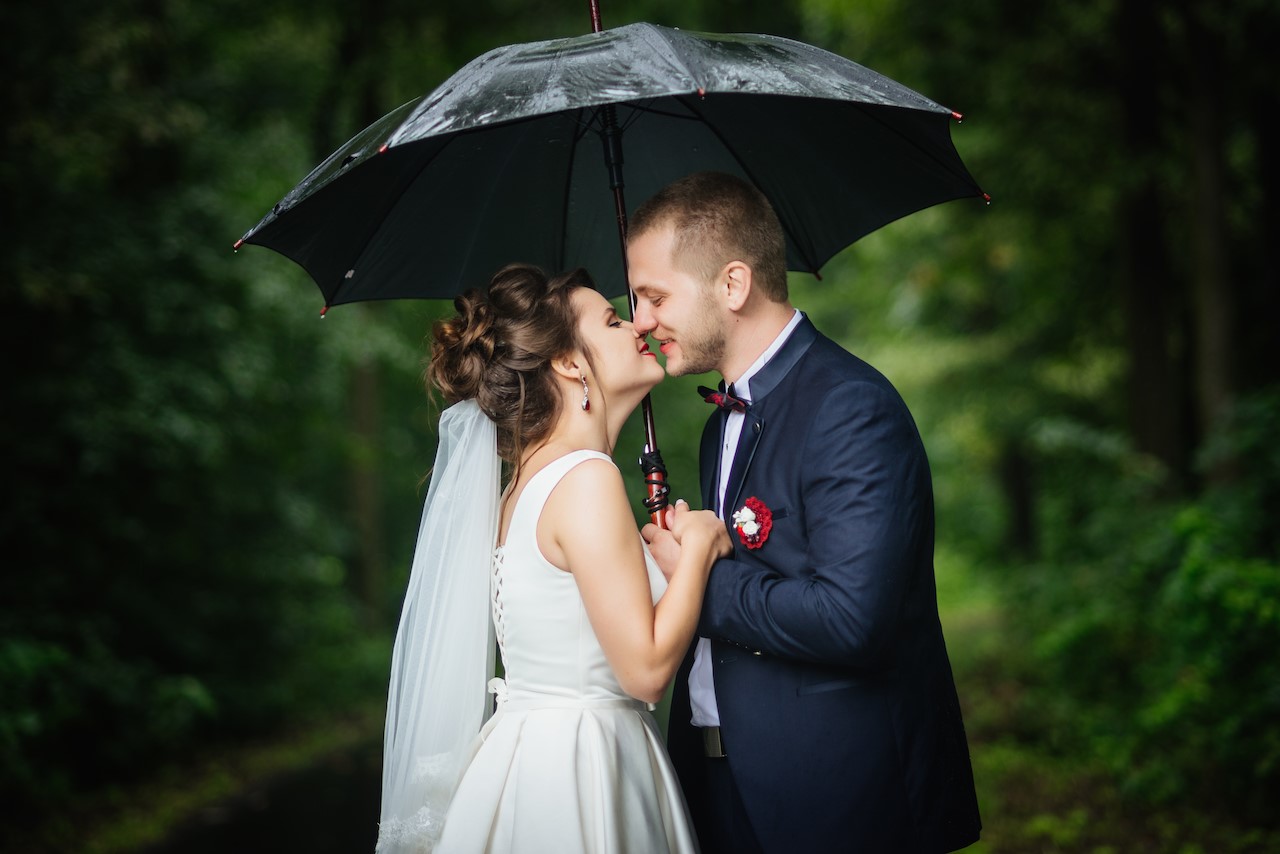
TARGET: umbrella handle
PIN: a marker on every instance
(655, 481)
(655, 471)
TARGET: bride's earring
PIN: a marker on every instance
(586, 403)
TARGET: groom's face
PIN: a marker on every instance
(674, 306)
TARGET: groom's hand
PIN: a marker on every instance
(662, 543)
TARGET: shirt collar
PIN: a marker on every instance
(742, 385)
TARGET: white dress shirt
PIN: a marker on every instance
(702, 689)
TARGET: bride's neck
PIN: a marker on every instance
(580, 431)
(576, 430)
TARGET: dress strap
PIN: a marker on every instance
(539, 488)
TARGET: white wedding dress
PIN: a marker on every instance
(568, 762)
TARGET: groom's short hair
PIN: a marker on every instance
(719, 218)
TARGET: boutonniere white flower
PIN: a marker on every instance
(753, 523)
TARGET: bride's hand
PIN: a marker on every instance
(662, 544)
(700, 529)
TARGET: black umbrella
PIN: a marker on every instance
(508, 161)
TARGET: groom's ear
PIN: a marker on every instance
(735, 279)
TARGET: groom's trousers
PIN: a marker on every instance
(720, 819)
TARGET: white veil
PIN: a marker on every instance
(443, 655)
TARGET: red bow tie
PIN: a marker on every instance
(723, 399)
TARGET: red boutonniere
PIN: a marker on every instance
(753, 522)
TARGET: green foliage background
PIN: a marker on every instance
(212, 495)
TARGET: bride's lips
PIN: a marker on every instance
(644, 350)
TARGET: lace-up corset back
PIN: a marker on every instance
(547, 643)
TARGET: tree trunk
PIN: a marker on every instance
(1019, 492)
(1258, 355)
(1152, 292)
(352, 96)
(366, 488)
(1213, 288)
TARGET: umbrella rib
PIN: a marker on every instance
(870, 110)
(405, 186)
(634, 115)
(874, 115)
(667, 114)
(683, 100)
(665, 46)
(588, 126)
(583, 127)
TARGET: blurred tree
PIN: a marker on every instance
(1109, 339)
(181, 575)
(185, 441)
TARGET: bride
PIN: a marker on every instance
(541, 374)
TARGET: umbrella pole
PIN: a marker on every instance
(655, 471)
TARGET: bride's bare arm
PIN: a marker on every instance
(587, 522)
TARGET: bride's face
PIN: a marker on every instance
(623, 365)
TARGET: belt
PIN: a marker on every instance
(531, 701)
(712, 743)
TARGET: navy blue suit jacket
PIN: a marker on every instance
(837, 705)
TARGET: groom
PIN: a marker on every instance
(817, 711)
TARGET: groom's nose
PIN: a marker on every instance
(643, 320)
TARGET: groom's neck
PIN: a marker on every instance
(749, 333)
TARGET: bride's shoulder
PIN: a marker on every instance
(581, 455)
(591, 482)
(588, 515)
(589, 469)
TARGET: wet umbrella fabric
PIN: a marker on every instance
(507, 160)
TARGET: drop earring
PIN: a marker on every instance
(586, 403)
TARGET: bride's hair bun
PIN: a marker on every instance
(498, 350)
(462, 347)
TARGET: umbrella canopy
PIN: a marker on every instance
(511, 159)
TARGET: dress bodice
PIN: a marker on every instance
(548, 645)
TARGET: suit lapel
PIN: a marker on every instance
(773, 372)
(764, 382)
(708, 456)
(748, 441)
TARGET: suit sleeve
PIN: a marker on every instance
(867, 509)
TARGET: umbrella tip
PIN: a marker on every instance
(959, 117)
(324, 311)
(384, 148)
(817, 275)
(702, 92)
(238, 244)
(986, 197)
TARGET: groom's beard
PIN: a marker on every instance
(702, 345)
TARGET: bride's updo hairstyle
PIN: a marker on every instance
(499, 350)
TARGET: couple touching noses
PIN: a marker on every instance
(813, 705)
